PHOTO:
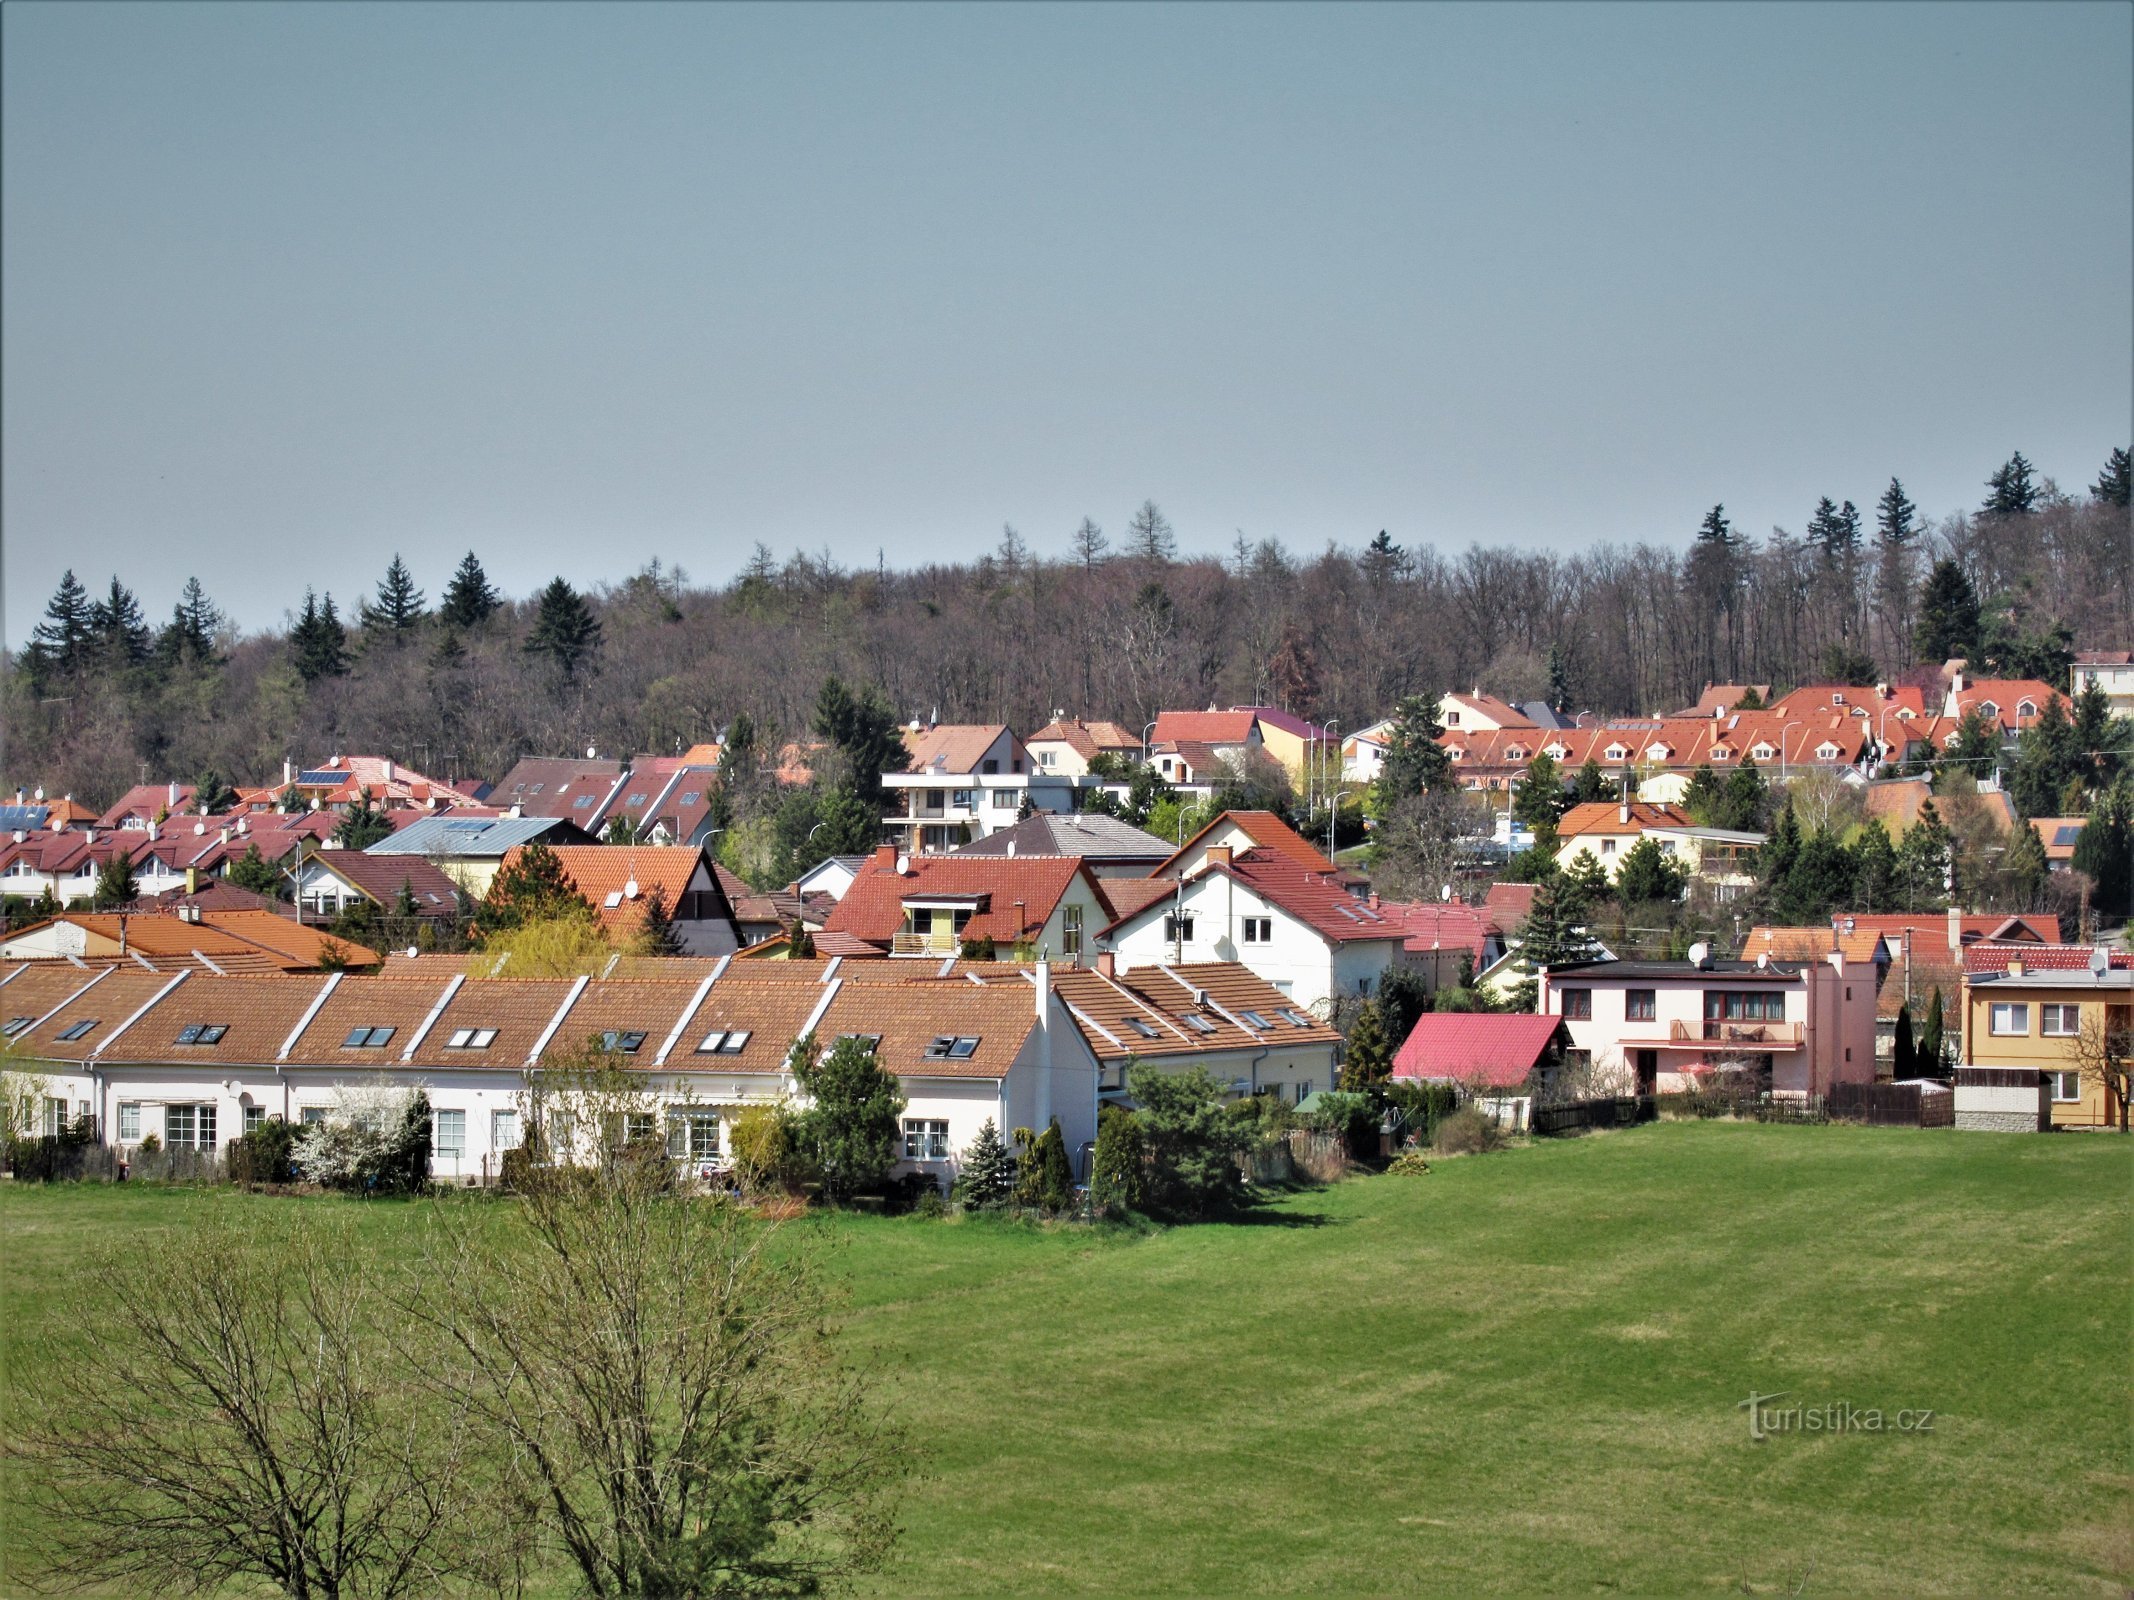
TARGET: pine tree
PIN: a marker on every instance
(1370, 1052)
(115, 884)
(60, 645)
(190, 634)
(988, 1173)
(565, 629)
(399, 609)
(1090, 545)
(1538, 799)
(1924, 862)
(1592, 784)
(1948, 615)
(2024, 867)
(117, 629)
(1415, 763)
(2012, 489)
(1554, 935)
(1874, 884)
(1716, 530)
(656, 934)
(363, 825)
(469, 600)
(2105, 851)
(1896, 516)
(1648, 873)
(318, 643)
(2111, 485)
(1149, 536)
(1822, 880)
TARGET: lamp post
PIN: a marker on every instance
(1331, 784)
(1782, 727)
(1145, 732)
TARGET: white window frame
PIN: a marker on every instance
(1070, 930)
(451, 1143)
(1258, 930)
(129, 1121)
(2009, 1019)
(925, 1139)
(2060, 1019)
(2066, 1088)
(504, 1129)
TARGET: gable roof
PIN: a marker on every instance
(1071, 833)
(1085, 738)
(1319, 900)
(1125, 896)
(955, 746)
(1148, 1011)
(477, 837)
(873, 907)
(1606, 817)
(379, 879)
(1500, 1051)
(1811, 943)
(551, 786)
(618, 879)
(1989, 957)
(1209, 727)
(1510, 903)
(1265, 831)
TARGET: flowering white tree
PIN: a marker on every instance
(376, 1135)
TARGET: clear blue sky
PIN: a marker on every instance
(288, 288)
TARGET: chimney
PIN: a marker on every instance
(1218, 855)
(1622, 812)
(1044, 1039)
(885, 856)
(1956, 933)
(173, 802)
(1374, 900)
(1107, 964)
(192, 880)
(288, 772)
(2015, 967)
(389, 769)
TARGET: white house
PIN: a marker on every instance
(1303, 931)
(963, 781)
(1606, 831)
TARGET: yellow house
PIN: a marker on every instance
(2026, 1016)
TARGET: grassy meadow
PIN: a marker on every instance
(1522, 1371)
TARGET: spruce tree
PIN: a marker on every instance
(318, 643)
(2047, 756)
(2012, 491)
(565, 629)
(1896, 516)
(1415, 763)
(469, 601)
(987, 1170)
(2024, 867)
(1924, 862)
(399, 609)
(60, 644)
(1874, 884)
(864, 730)
(117, 629)
(115, 884)
(1370, 1052)
(1114, 1171)
(532, 887)
(1592, 784)
(1703, 796)
(1554, 935)
(1715, 529)
(255, 872)
(1747, 798)
(189, 636)
(1149, 536)
(2111, 485)
(1538, 799)
(1948, 615)
(656, 934)
(1775, 862)
(363, 825)
(2105, 851)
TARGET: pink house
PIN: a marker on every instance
(1656, 1026)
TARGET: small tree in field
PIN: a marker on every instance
(1115, 1171)
(988, 1172)
(851, 1132)
(1190, 1171)
(651, 1374)
(241, 1418)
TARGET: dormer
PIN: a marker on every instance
(1988, 708)
(1616, 752)
(1659, 750)
(1557, 752)
(1721, 753)
(1515, 753)
(1762, 750)
(2026, 708)
(1826, 751)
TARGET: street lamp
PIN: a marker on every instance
(1330, 783)
(1782, 727)
(1145, 732)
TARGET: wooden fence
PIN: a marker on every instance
(1617, 1111)
(1892, 1105)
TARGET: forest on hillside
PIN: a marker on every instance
(1104, 623)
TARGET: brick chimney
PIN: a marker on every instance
(1218, 855)
(1107, 964)
(885, 857)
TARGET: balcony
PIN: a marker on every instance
(924, 944)
(1764, 1035)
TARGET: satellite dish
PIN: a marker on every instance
(629, 889)
(2100, 960)
(1445, 892)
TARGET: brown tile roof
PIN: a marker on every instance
(374, 1002)
(1086, 738)
(1606, 816)
(1813, 943)
(602, 870)
(1147, 1012)
(956, 746)
(1266, 831)
(379, 879)
(1125, 896)
(106, 999)
(260, 1012)
(1205, 727)
(1509, 904)
(753, 906)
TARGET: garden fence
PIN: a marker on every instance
(1614, 1111)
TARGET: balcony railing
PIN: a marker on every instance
(924, 944)
(1714, 1030)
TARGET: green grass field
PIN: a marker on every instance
(1523, 1371)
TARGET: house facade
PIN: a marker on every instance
(1606, 832)
(1649, 1027)
(930, 907)
(962, 782)
(2026, 1013)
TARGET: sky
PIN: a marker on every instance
(287, 289)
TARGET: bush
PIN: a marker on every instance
(515, 1169)
(1258, 1121)
(1190, 1169)
(374, 1140)
(852, 1132)
(1467, 1132)
(1115, 1171)
(1410, 1163)
(265, 1154)
(1352, 1117)
(988, 1171)
(761, 1140)
(1417, 1107)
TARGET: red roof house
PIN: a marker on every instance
(1481, 1049)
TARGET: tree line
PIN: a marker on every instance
(1115, 628)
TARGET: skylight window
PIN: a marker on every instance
(79, 1030)
(15, 1025)
(690, 796)
(368, 1038)
(1296, 1019)
(1254, 1018)
(726, 1043)
(203, 1033)
(1199, 1023)
(635, 800)
(471, 1039)
(1141, 1027)
(622, 1042)
(948, 1047)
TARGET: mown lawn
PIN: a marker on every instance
(1523, 1371)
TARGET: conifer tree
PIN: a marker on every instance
(1924, 860)
(2012, 490)
(1055, 1172)
(865, 732)
(532, 887)
(1904, 1054)
(1149, 536)
(60, 645)
(1948, 615)
(363, 825)
(1896, 516)
(469, 601)
(565, 629)
(2047, 756)
(189, 636)
(1538, 799)
(1874, 884)
(1553, 935)
(1370, 1052)
(1774, 862)
(318, 643)
(1114, 1170)
(656, 934)
(1747, 797)
(1932, 1053)
(1090, 545)
(2023, 867)
(118, 630)
(2111, 485)
(255, 872)
(1415, 763)
(399, 608)
(1715, 529)
(1592, 784)
(2105, 850)
(115, 884)
(987, 1171)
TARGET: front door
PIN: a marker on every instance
(1648, 1066)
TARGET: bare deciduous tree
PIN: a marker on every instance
(2105, 1054)
(656, 1368)
(242, 1417)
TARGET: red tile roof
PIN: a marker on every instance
(1205, 727)
(1265, 831)
(957, 747)
(1495, 1050)
(1319, 900)
(873, 907)
(1993, 957)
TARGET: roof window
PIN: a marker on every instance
(368, 1038)
(725, 1043)
(471, 1039)
(620, 1041)
(79, 1030)
(203, 1033)
(1141, 1027)
(15, 1025)
(1199, 1023)
(1254, 1018)
(948, 1047)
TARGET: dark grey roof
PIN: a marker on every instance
(1543, 715)
(474, 836)
(1777, 971)
(1072, 833)
(29, 818)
